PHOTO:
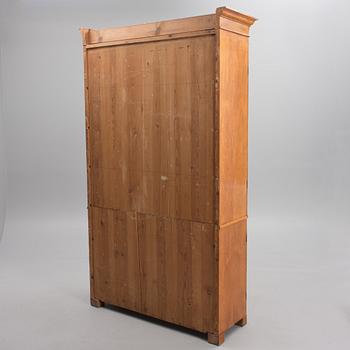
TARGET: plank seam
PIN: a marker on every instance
(149, 39)
(245, 217)
(155, 215)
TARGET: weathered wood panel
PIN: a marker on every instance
(156, 29)
(232, 274)
(166, 126)
(162, 267)
(116, 276)
(233, 126)
(151, 125)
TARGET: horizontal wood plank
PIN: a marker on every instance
(224, 18)
(176, 26)
(153, 38)
(232, 26)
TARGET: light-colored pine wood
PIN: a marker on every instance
(152, 38)
(94, 301)
(235, 16)
(156, 29)
(232, 274)
(150, 152)
(234, 27)
(216, 338)
(166, 132)
(233, 135)
(161, 267)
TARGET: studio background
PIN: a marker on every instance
(299, 177)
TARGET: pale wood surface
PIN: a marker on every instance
(232, 274)
(152, 38)
(176, 26)
(89, 190)
(232, 170)
(235, 16)
(166, 127)
(234, 27)
(224, 18)
(152, 127)
(233, 134)
(162, 267)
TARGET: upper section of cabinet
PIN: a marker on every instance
(223, 18)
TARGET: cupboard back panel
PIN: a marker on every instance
(151, 111)
(161, 267)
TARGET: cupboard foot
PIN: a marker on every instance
(216, 338)
(96, 303)
(242, 322)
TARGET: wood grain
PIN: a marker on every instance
(156, 29)
(234, 27)
(152, 121)
(232, 274)
(167, 147)
(165, 30)
(161, 267)
(167, 37)
(116, 269)
(233, 136)
(89, 188)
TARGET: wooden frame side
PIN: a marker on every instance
(232, 275)
(231, 168)
(84, 33)
(233, 127)
(214, 337)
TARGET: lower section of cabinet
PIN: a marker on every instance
(188, 273)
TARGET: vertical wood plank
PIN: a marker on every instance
(84, 34)
(117, 276)
(152, 117)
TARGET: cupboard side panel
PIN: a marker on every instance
(88, 161)
(232, 274)
(233, 126)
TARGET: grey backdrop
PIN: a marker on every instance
(2, 164)
(299, 180)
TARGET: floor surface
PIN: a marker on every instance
(299, 292)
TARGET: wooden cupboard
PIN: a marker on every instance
(166, 130)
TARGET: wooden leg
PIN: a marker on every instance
(242, 322)
(96, 303)
(216, 338)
